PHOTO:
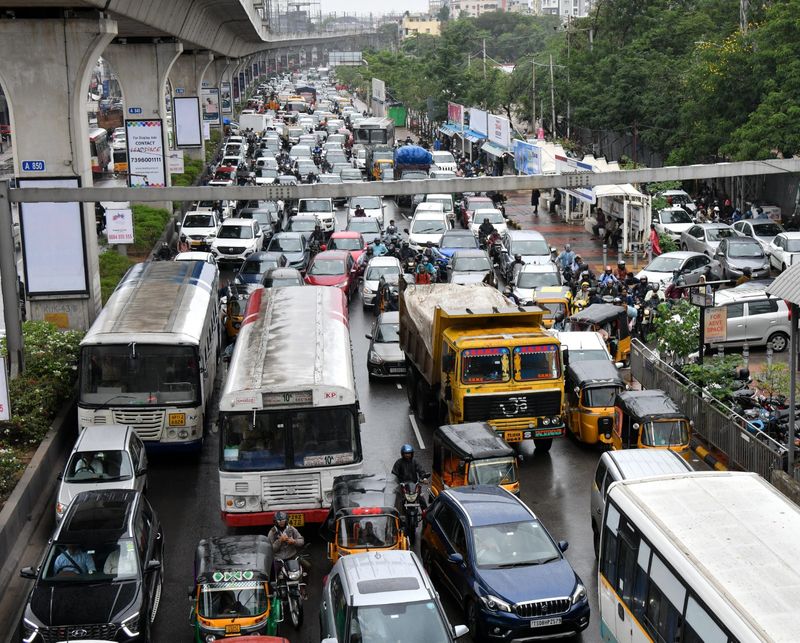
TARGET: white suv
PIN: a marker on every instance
(237, 239)
(322, 209)
(200, 228)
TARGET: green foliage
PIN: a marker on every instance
(192, 169)
(667, 243)
(677, 331)
(716, 375)
(212, 145)
(148, 225)
(113, 267)
(10, 466)
(774, 380)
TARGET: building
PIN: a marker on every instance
(435, 6)
(419, 24)
(573, 8)
(475, 8)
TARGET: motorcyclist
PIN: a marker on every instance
(509, 294)
(655, 293)
(363, 260)
(406, 252)
(582, 297)
(566, 258)
(641, 289)
(559, 322)
(407, 469)
(433, 252)
(622, 272)
(286, 541)
(391, 229)
(608, 279)
(515, 267)
(485, 229)
(359, 211)
(378, 249)
(425, 270)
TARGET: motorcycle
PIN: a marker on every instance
(290, 587)
(412, 508)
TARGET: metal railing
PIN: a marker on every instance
(717, 424)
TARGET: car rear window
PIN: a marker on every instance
(402, 584)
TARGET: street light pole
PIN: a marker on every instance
(552, 98)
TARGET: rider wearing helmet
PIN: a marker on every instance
(558, 321)
(608, 278)
(286, 541)
(655, 293)
(406, 469)
(622, 272)
(509, 294)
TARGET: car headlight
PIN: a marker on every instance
(495, 604)
(131, 625)
(60, 509)
(374, 358)
(546, 421)
(213, 235)
(578, 594)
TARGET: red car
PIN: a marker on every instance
(348, 240)
(472, 204)
(333, 268)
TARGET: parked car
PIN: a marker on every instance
(662, 267)
(376, 268)
(101, 573)
(237, 239)
(254, 267)
(454, 240)
(105, 456)
(738, 253)
(385, 358)
(755, 318)
(333, 268)
(762, 230)
(386, 594)
(294, 246)
(490, 551)
(705, 237)
(672, 221)
(784, 250)
(200, 228)
(469, 267)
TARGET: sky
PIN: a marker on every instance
(364, 7)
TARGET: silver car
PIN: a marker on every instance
(105, 456)
(533, 277)
(762, 230)
(754, 318)
(705, 237)
(738, 253)
(385, 358)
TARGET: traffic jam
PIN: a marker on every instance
(504, 345)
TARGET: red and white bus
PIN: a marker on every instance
(100, 151)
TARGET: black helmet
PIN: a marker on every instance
(281, 516)
(517, 257)
(406, 449)
(559, 317)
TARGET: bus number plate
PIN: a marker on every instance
(545, 622)
(233, 628)
(177, 419)
(513, 436)
(297, 520)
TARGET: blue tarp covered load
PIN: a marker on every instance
(412, 155)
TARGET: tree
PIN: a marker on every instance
(677, 331)
(443, 15)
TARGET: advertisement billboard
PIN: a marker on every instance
(716, 325)
(566, 165)
(146, 163)
(119, 226)
(186, 115)
(209, 99)
(478, 120)
(235, 90)
(455, 114)
(225, 97)
(527, 158)
(378, 97)
(499, 130)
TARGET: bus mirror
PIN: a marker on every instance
(577, 390)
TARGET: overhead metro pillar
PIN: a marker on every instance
(45, 68)
(186, 78)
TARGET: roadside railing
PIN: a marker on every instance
(720, 426)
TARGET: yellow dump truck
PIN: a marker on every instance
(473, 356)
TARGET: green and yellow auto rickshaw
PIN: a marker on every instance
(611, 322)
(591, 388)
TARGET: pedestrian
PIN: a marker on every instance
(99, 217)
(555, 202)
(599, 228)
(655, 246)
(535, 196)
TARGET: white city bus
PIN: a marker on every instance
(288, 414)
(150, 358)
(699, 557)
(374, 131)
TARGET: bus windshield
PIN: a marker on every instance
(289, 439)
(139, 374)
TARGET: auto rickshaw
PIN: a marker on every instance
(553, 300)
(592, 387)
(230, 596)
(363, 516)
(649, 420)
(611, 322)
(378, 168)
(234, 304)
(472, 453)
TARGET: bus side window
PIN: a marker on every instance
(627, 552)
(665, 600)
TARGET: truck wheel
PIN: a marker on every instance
(543, 444)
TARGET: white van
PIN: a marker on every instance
(444, 160)
(428, 225)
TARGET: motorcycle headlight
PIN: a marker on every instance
(374, 358)
(578, 594)
(296, 574)
(495, 604)
(131, 625)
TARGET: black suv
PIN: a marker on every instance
(101, 574)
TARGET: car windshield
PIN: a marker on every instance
(665, 433)
(287, 244)
(361, 532)
(283, 281)
(481, 205)
(302, 225)
(363, 224)
(675, 216)
(716, 234)
(232, 600)
(199, 221)
(793, 245)
(745, 251)
(494, 217)
(374, 273)
(600, 396)
(493, 471)
(398, 622)
(485, 365)
(529, 248)
(79, 562)
(315, 205)
(98, 466)
(471, 264)
(665, 264)
(346, 243)
(459, 241)
(235, 232)
(327, 267)
(387, 333)
(537, 279)
(257, 267)
(443, 157)
(538, 362)
(427, 226)
(513, 544)
(680, 199)
(766, 229)
(366, 202)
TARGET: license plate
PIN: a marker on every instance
(545, 622)
(297, 520)
(235, 628)
(513, 436)
(397, 370)
(177, 419)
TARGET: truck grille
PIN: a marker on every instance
(147, 424)
(293, 491)
(501, 407)
(102, 631)
(542, 608)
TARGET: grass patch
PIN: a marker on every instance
(148, 226)
(113, 267)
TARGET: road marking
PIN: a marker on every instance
(399, 386)
(416, 430)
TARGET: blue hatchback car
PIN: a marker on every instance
(488, 549)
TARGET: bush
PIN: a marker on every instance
(10, 466)
(148, 225)
(113, 267)
(667, 243)
(192, 170)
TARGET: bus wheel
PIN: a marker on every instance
(543, 444)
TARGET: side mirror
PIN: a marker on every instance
(153, 565)
(459, 631)
(563, 545)
(405, 230)
(368, 335)
(619, 364)
(577, 391)
(455, 559)
(28, 572)
(177, 224)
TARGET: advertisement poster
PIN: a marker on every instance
(186, 115)
(175, 162)
(455, 113)
(225, 97)
(716, 326)
(499, 130)
(242, 85)
(146, 166)
(477, 120)
(527, 158)
(209, 99)
(235, 90)
(119, 226)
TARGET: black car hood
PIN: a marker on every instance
(82, 604)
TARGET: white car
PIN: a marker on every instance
(583, 345)
(321, 208)
(372, 205)
(784, 250)
(376, 268)
(428, 225)
(447, 204)
(762, 230)
(533, 277)
(200, 228)
(672, 221)
(105, 456)
(678, 198)
(237, 239)
(660, 269)
(196, 255)
(444, 161)
(495, 217)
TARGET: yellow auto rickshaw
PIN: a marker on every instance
(553, 300)
(472, 453)
(611, 322)
(592, 387)
(234, 304)
(378, 168)
(649, 419)
(363, 516)
(230, 596)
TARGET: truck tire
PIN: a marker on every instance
(543, 444)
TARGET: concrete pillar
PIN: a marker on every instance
(187, 75)
(143, 69)
(45, 69)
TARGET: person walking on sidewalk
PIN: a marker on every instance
(535, 196)
(599, 228)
